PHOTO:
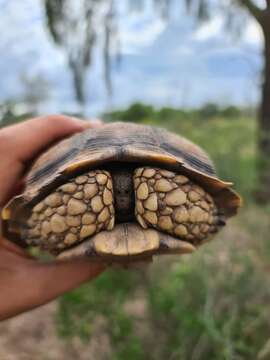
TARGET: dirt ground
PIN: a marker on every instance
(32, 336)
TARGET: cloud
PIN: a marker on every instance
(210, 28)
(253, 34)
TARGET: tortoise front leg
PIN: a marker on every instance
(173, 204)
(74, 211)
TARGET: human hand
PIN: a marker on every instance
(26, 283)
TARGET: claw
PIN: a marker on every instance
(170, 245)
(219, 220)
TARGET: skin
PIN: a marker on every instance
(25, 282)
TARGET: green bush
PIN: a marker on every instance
(135, 113)
(9, 116)
(207, 311)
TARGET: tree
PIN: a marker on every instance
(263, 18)
(202, 10)
(74, 26)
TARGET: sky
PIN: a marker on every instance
(173, 63)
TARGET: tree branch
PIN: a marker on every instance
(253, 9)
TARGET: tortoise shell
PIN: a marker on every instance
(121, 152)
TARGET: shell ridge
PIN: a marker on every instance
(190, 159)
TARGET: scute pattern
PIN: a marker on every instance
(172, 203)
(73, 212)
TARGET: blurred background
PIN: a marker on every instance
(200, 68)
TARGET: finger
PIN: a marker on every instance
(24, 141)
(13, 248)
(21, 143)
(18, 187)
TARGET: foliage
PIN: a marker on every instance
(8, 115)
(215, 317)
(137, 112)
(105, 297)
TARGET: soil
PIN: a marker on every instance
(32, 336)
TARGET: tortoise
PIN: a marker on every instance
(121, 192)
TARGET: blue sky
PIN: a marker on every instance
(164, 64)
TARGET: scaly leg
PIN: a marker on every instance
(174, 204)
(74, 211)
